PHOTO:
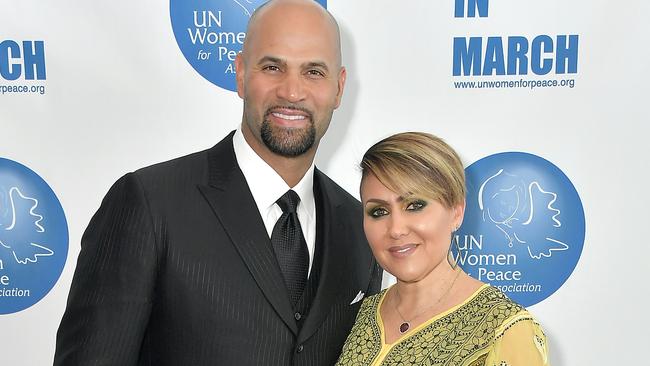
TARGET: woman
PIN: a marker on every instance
(413, 196)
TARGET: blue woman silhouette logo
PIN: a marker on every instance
(524, 226)
(33, 237)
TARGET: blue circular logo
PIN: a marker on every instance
(210, 33)
(33, 237)
(524, 226)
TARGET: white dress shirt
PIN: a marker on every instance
(267, 186)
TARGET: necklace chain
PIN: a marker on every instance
(406, 325)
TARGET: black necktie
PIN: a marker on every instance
(290, 246)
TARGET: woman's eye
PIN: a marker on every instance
(378, 212)
(416, 205)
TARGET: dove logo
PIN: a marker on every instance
(210, 34)
(524, 226)
(33, 237)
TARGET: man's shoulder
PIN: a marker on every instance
(183, 166)
(334, 191)
(192, 168)
(164, 180)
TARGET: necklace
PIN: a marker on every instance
(406, 324)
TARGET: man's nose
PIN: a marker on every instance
(292, 88)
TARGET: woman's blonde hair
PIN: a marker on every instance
(417, 164)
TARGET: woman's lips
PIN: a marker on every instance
(401, 251)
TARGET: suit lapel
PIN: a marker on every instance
(233, 204)
(335, 262)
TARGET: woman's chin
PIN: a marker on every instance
(407, 276)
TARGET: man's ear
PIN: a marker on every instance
(341, 84)
(240, 73)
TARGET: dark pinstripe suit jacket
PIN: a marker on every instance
(176, 268)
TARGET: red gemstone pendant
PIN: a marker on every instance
(404, 327)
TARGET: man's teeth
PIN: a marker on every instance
(404, 250)
(288, 117)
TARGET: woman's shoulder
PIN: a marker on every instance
(493, 296)
(518, 336)
(503, 311)
(494, 306)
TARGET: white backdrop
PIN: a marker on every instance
(120, 95)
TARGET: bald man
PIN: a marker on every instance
(243, 254)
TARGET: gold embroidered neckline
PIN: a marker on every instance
(413, 331)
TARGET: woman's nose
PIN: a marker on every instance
(398, 226)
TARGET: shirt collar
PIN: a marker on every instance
(265, 184)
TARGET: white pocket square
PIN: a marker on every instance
(357, 298)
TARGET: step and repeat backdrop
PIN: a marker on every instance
(545, 101)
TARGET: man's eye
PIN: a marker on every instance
(315, 73)
(378, 212)
(271, 68)
(416, 205)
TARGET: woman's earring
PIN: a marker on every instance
(453, 262)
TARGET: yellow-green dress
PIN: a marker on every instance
(487, 329)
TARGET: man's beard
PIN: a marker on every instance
(288, 142)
